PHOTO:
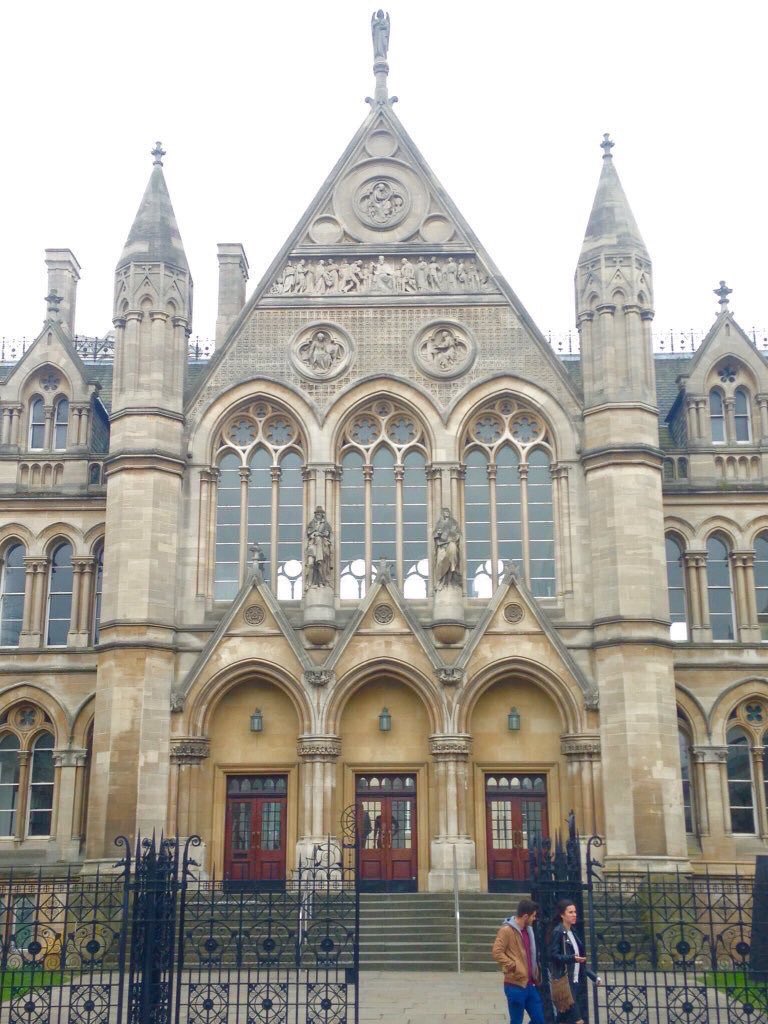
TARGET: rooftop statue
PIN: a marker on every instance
(380, 33)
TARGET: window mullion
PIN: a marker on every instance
(522, 470)
(399, 472)
(210, 527)
(22, 796)
(368, 488)
(275, 473)
(758, 785)
(494, 525)
(245, 475)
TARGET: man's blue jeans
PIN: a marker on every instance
(521, 1000)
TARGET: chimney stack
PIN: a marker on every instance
(63, 275)
(233, 274)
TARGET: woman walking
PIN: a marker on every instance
(568, 966)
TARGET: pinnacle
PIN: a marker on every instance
(154, 236)
(611, 222)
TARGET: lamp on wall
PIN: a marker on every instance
(257, 721)
(513, 720)
(385, 720)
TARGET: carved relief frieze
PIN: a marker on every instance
(190, 749)
(319, 746)
(580, 746)
(450, 747)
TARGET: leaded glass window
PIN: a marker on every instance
(37, 425)
(678, 618)
(60, 424)
(9, 783)
(719, 589)
(60, 583)
(742, 415)
(741, 795)
(716, 416)
(12, 595)
(41, 786)
(508, 498)
(383, 500)
(761, 582)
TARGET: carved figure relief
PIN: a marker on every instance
(443, 350)
(382, 202)
(317, 561)
(321, 352)
(408, 276)
(447, 539)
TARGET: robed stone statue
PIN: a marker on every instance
(447, 538)
(317, 560)
(380, 33)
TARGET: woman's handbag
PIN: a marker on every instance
(562, 996)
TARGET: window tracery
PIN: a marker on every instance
(383, 499)
(27, 774)
(730, 404)
(260, 500)
(508, 497)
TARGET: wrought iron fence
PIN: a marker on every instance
(151, 943)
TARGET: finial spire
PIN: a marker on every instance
(158, 153)
(607, 145)
(380, 36)
(722, 293)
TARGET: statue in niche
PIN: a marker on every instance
(444, 349)
(321, 352)
(380, 34)
(447, 538)
(317, 560)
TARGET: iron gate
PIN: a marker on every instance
(150, 943)
(670, 948)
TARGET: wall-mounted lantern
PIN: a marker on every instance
(257, 721)
(385, 720)
(513, 720)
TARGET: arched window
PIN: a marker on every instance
(741, 793)
(508, 498)
(37, 425)
(716, 416)
(41, 787)
(12, 595)
(9, 783)
(60, 424)
(383, 512)
(98, 587)
(742, 415)
(259, 502)
(684, 741)
(60, 581)
(678, 619)
(719, 589)
(761, 582)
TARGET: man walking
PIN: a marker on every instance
(515, 952)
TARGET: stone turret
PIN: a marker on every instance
(614, 298)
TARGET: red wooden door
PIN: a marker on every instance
(386, 821)
(515, 812)
(254, 849)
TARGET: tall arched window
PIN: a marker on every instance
(60, 424)
(9, 783)
(508, 498)
(684, 742)
(98, 587)
(383, 511)
(12, 595)
(260, 502)
(41, 787)
(60, 582)
(678, 628)
(716, 416)
(742, 415)
(741, 793)
(37, 425)
(761, 582)
(719, 589)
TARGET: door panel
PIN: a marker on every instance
(516, 812)
(255, 830)
(386, 819)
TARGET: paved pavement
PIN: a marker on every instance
(432, 997)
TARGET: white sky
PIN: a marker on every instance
(254, 103)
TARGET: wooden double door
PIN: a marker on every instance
(254, 848)
(515, 814)
(386, 830)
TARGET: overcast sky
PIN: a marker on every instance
(254, 102)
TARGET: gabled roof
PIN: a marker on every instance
(63, 341)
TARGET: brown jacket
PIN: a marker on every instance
(509, 954)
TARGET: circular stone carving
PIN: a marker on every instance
(321, 351)
(325, 230)
(381, 143)
(254, 615)
(444, 349)
(513, 612)
(437, 229)
(383, 613)
(382, 202)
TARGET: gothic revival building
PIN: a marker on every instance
(529, 583)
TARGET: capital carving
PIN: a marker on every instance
(319, 746)
(177, 701)
(450, 675)
(592, 699)
(450, 747)
(580, 746)
(71, 757)
(190, 749)
(709, 755)
(318, 677)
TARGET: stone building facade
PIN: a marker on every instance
(386, 550)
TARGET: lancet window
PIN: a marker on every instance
(761, 583)
(747, 740)
(508, 498)
(720, 588)
(37, 425)
(384, 511)
(27, 773)
(678, 615)
(260, 501)
(60, 591)
(684, 741)
(98, 587)
(12, 594)
(60, 424)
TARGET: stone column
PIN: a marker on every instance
(34, 594)
(582, 751)
(25, 757)
(759, 786)
(69, 763)
(318, 757)
(450, 756)
(743, 563)
(762, 404)
(696, 584)
(80, 622)
(563, 553)
(692, 420)
(187, 754)
(729, 404)
(711, 798)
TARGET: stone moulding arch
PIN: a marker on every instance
(694, 714)
(205, 695)
(83, 718)
(58, 533)
(680, 529)
(381, 670)
(31, 693)
(724, 525)
(567, 698)
(754, 528)
(17, 532)
(345, 406)
(727, 699)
